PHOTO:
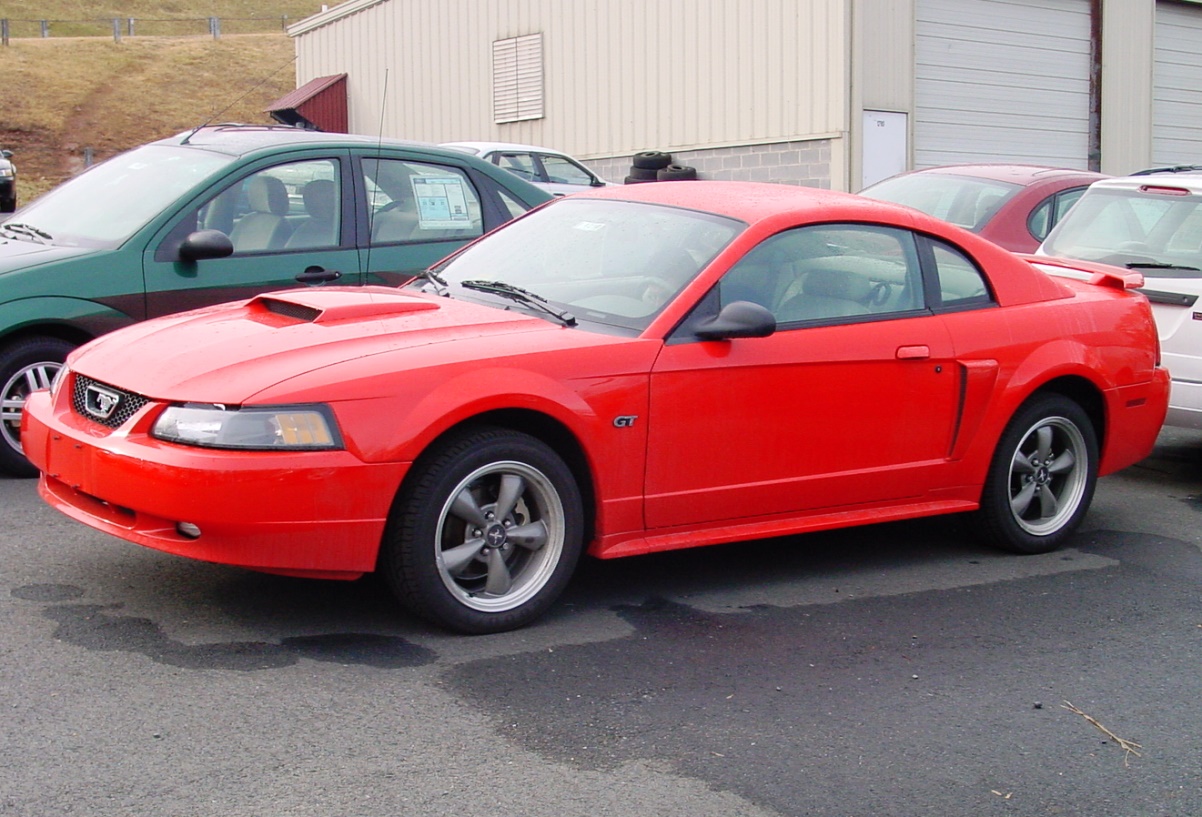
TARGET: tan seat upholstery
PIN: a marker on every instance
(395, 222)
(828, 294)
(320, 227)
(264, 228)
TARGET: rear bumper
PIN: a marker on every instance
(1135, 415)
(318, 514)
(1185, 404)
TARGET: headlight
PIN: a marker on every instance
(7, 173)
(266, 428)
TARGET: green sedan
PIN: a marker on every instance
(219, 214)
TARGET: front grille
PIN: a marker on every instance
(104, 404)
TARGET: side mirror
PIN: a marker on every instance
(205, 244)
(6, 153)
(739, 319)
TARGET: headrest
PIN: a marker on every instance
(848, 286)
(267, 194)
(319, 199)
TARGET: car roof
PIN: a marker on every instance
(238, 140)
(487, 147)
(1021, 174)
(1189, 181)
(751, 201)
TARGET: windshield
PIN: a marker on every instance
(607, 262)
(1142, 228)
(110, 202)
(966, 201)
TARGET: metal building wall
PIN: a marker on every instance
(620, 75)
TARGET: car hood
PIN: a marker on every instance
(229, 353)
(16, 254)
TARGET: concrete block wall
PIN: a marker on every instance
(803, 163)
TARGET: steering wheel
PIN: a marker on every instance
(880, 293)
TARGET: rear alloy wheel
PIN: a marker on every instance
(485, 534)
(25, 366)
(1042, 478)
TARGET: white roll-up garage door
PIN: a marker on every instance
(1177, 87)
(1002, 80)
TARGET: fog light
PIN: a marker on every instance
(187, 529)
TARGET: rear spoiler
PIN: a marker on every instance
(1098, 274)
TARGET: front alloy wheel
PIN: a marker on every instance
(26, 366)
(486, 532)
(1043, 476)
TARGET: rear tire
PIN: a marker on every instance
(485, 533)
(1042, 478)
(25, 366)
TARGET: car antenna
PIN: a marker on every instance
(249, 91)
(371, 205)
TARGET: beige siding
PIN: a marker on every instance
(621, 75)
(885, 54)
(1127, 63)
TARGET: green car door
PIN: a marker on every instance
(288, 224)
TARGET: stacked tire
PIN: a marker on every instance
(656, 166)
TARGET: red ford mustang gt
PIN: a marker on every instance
(620, 372)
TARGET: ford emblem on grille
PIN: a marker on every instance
(100, 403)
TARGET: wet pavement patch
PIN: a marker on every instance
(95, 627)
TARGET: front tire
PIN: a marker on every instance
(1042, 478)
(485, 533)
(25, 366)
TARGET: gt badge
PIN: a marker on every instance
(625, 421)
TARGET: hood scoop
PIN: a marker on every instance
(335, 305)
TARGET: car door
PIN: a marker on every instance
(851, 401)
(418, 211)
(290, 223)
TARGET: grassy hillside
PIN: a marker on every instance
(64, 95)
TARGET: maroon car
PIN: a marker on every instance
(1012, 205)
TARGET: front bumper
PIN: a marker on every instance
(314, 513)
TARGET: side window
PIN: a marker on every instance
(831, 272)
(1049, 212)
(415, 201)
(512, 206)
(520, 164)
(562, 171)
(960, 282)
(291, 206)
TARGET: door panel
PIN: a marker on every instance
(808, 418)
(290, 226)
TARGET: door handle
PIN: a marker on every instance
(318, 275)
(913, 352)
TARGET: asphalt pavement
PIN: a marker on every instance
(898, 669)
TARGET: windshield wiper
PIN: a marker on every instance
(440, 284)
(522, 296)
(40, 236)
(1159, 265)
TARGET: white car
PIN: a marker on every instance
(1151, 223)
(552, 170)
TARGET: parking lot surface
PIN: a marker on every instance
(891, 670)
